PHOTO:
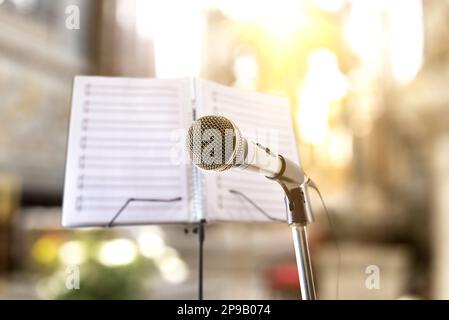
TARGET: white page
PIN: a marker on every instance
(261, 118)
(122, 136)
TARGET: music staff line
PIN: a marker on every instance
(118, 111)
(125, 121)
(90, 128)
(85, 177)
(114, 158)
(257, 126)
(261, 200)
(86, 139)
(226, 98)
(128, 94)
(138, 209)
(232, 205)
(269, 121)
(146, 104)
(260, 189)
(126, 166)
(129, 87)
(127, 187)
(87, 146)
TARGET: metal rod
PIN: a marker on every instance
(303, 261)
(201, 236)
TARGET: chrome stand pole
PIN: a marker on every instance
(303, 261)
(299, 216)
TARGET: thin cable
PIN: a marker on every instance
(269, 217)
(125, 205)
(311, 184)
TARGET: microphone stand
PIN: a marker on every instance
(298, 217)
(294, 183)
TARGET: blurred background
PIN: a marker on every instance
(367, 84)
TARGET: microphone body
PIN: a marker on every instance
(273, 166)
(216, 144)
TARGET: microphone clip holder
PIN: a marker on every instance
(299, 210)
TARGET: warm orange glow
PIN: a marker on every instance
(323, 85)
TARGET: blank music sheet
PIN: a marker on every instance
(261, 118)
(121, 143)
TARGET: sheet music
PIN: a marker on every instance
(261, 118)
(121, 140)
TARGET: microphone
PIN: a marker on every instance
(215, 143)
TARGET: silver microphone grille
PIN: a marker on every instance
(214, 143)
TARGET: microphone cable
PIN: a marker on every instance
(262, 211)
(311, 184)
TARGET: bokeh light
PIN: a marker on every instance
(118, 252)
